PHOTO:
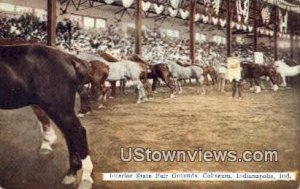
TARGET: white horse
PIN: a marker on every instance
(286, 71)
(186, 72)
(122, 70)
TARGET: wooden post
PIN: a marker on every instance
(229, 32)
(292, 34)
(255, 26)
(192, 30)
(276, 34)
(51, 27)
(138, 27)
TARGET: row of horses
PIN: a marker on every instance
(47, 80)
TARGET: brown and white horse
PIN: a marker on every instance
(211, 71)
(254, 72)
(49, 79)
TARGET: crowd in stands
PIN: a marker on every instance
(156, 47)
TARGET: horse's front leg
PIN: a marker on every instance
(171, 84)
(75, 135)
(85, 107)
(105, 92)
(123, 87)
(219, 83)
(283, 81)
(214, 78)
(251, 84)
(206, 79)
(113, 85)
(49, 136)
(179, 87)
(257, 85)
(201, 85)
(142, 97)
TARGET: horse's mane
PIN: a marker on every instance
(108, 57)
(183, 64)
(138, 58)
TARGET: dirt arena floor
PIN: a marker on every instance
(257, 122)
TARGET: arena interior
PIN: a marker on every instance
(196, 32)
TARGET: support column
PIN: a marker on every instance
(138, 27)
(276, 33)
(51, 27)
(255, 26)
(292, 34)
(192, 30)
(229, 32)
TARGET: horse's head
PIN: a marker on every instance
(271, 72)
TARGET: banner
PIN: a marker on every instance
(234, 68)
(259, 58)
(200, 176)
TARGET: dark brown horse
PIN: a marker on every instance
(162, 71)
(254, 72)
(48, 78)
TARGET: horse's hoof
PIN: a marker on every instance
(85, 184)
(45, 148)
(81, 115)
(258, 90)
(50, 136)
(155, 92)
(45, 151)
(251, 89)
(145, 100)
(69, 179)
(139, 101)
(101, 106)
(275, 88)
(111, 97)
(172, 96)
(179, 92)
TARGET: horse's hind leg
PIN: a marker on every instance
(75, 135)
(49, 136)
(154, 84)
(147, 86)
